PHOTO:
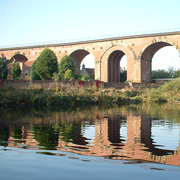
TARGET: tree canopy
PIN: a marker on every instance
(65, 64)
(15, 70)
(46, 64)
(68, 75)
(169, 73)
(33, 74)
(3, 68)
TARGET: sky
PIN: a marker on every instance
(40, 21)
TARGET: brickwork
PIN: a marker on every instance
(138, 49)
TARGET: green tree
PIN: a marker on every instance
(46, 64)
(65, 64)
(159, 74)
(3, 68)
(123, 76)
(171, 71)
(15, 70)
(87, 77)
(68, 75)
(177, 73)
(33, 74)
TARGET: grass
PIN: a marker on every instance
(64, 97)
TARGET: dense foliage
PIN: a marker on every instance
(15, 70)
(64, 97)
(33, 74)
(123, 76)
(3, 68)
(46, 64)
(87, 77)
(65, 64)
(68, 75)
(161, 73)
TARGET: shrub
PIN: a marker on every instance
(68, 75)
(65, 64)
(3, 68)
(46, 64)
(87, 77)
(33, 74)
(15, 70)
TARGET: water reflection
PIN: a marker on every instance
(128, 133)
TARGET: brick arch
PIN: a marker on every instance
(78, 55)
(148, 53)
(105, 57)
(164, 40)
(19, 53)
(18, 57)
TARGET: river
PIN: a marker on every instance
(127, 142)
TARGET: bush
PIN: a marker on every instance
(87, 77)
(3, 68)
(33, 74)
(154, 96)
(15, 70)
(65, 64)
(46, 64)
(68, 75)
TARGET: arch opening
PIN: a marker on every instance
(84, 63)
(153, 58)
(115, 67)
(21, 60)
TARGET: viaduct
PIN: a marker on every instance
(139, 50)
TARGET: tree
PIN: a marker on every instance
(159, 74)
(46, 64)
(171, 71)
(87, 77)
(15, 70)
(177, 73)
(33, 74)
(123, 76)
(68, 75)
(65, 64)
(3, 68)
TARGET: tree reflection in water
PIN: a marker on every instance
(64, 131)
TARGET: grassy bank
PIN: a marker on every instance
(169, 92)
(61, 98)
(70, 97)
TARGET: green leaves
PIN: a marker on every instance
(46, 64)
(66, 63)
(33, 74)
(15, 70)
(68, 75)
(3, 68)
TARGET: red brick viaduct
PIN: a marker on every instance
(107, 53)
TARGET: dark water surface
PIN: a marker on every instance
(130, 142)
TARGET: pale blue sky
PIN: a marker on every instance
(33, 21)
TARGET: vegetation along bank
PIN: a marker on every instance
(65, 97)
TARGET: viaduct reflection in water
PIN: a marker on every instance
(107, 140)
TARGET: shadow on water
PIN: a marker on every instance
(130, 133)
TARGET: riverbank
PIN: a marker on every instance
(61, 98)
(65, 97)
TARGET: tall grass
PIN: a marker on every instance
(169, 92)
(61, 98)
(64, 96)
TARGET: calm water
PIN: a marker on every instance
(132, 142)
